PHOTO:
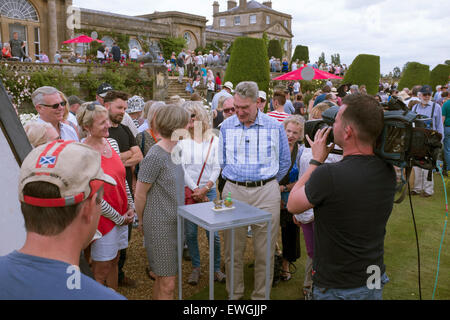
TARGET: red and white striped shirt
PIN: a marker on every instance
(280, 116)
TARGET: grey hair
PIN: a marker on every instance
(38, 95)
(248, 89)
(354, 87)
(153, 110)
(298, 120)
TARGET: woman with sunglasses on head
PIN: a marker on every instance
(117, 204)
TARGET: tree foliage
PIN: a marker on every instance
(322, 59)
(249, 62)
(414, 74)
(336, 59)
(365, 69)
(171, 44)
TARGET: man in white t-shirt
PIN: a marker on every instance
(134, 54)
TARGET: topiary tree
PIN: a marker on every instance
(274, 49)
(301, 53)
(414, 74)
(439, 75)
(365, 69)
(249, 62)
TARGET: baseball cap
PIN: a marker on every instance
(103, 89)
(262, 95)
(426, 89)
(74, 100)
(135, 104)
(229, 85)
(55, 163)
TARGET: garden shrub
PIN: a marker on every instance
(414, 74)
(439, 75)
(364, 70)
(249, 62)
(301, 53)
(274, 49)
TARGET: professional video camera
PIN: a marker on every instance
(407, 139)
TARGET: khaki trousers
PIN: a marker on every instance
(266, 198)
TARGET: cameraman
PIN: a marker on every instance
(352, 201)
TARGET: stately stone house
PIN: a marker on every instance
(45, 24)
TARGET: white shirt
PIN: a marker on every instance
(215, 100)
(134, 53)
(296, 86)
(71, 118)
(66, 131)
(143, 126)
(193, 157)
(294, 66)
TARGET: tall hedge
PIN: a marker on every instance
(301, 53)
(414, 74)
(274, 49)
(439, 75)
(365, 69)
(249, 62)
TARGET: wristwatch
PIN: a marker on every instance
(315, 162)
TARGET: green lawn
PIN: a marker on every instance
(400, 255)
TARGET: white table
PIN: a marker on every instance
(203, 215)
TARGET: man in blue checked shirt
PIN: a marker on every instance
(254, 155)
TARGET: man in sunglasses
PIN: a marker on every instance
(52, 108)
(432, 110)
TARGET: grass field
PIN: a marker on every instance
(400, 255)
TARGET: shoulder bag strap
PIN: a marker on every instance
(204, 164)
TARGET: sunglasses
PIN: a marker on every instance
(426, 94)
(228, 110)
(91, 107)
(56, 105)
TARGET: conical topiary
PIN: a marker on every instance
(274, 49)
(364, 70)
(439, 75)
(249, 62)
(414, 74)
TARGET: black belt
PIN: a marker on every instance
(252, 184)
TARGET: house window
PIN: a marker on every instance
(18, 9)
(223, 22)
(267, 19)
(253, 19)
(237, 21)
(286, 24)
(285, 46)
(37, 44)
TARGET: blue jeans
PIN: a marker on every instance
(192, 239)
(447, 147)
(361, 293)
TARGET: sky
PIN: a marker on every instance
(399, 31)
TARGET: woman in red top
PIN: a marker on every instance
(6, 51)
(94, 120)
(218, 82)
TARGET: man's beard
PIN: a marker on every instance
(116, 119)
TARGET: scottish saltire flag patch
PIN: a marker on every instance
(47, 160)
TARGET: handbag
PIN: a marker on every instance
(188, 192)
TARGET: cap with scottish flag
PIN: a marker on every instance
(73, 167)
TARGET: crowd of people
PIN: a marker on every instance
(130, 141)
(282, 65)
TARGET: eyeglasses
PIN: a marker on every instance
(55, 106)
(426, 94)
(229, 110)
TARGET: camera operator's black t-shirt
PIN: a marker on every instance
(352, 200)
(125, 139)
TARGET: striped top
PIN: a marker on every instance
(280, 116)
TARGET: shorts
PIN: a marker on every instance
(107, 247)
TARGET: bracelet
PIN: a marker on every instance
(315, 162)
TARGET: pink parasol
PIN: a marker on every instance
(307, 73)
(82, 39)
